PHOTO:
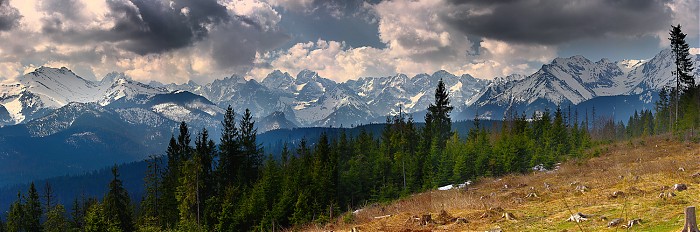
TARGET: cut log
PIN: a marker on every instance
(425, 219)
(617, 194)
(615, 222)
(443, 218)
(508, 216)
(532, 195)
(582, 188)
(633, 222)
(461, 221)
(690, 223)
(578, 217)
(680, 187)
(665, 195)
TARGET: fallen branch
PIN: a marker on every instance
(380, 217)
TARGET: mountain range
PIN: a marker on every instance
(54, 117)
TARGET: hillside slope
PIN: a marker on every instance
(641, 169)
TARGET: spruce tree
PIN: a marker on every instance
(48, 196)
(16, 216)
(117, 204)
(56, 220)
(230, 157)
(97, 220)
(188, 191)
(178, 151)
(250, 149)
(437, 120)
(206, 151)
(684, 64)
(33, 210)
(183, 142)
(150, 205)
(685, 81)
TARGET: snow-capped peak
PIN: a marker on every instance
(112, 77)
(629, 65)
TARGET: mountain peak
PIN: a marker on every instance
(306, 75)
(573, 59)
(114, 76)
(50, 70)
(442, 73)
(234, 79)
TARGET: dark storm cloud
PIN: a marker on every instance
(350, 21)
(9, 16)
(155, 26)
(551, 22)
(236, 43)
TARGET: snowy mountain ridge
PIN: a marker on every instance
(308, 99)
(47, 89)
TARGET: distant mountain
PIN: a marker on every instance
(573, 80)
(47, 89)
(79, 137)
(274, 121)
(54, 115)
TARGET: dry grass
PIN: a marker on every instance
(641, 169)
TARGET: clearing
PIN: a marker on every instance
(629, 180)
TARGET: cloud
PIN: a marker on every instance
(146, 26)
(331, 59)
(552, 22)
(181, 40)
(338, 9)
(148, 39)
(418, 42)
(9, 16)
(686, 13)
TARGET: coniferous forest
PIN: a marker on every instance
(233, 185)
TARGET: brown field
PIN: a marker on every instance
(642, 169)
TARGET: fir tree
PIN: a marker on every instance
(250, 149)
(188, 191)
(97, 220)
(205, 150)
(32, 210)
(150, 205)
(48, 196)
(56, 220)
(16, 216)
(117, 204)
(437, 120)
(230, 158)
(684, 64)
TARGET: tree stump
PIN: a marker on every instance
(425, 219)
(690, 223)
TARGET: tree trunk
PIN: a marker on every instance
(690, 223)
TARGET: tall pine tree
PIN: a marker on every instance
(33, 210)
(230, 158)
(117, 204)
(251, 151)
(437, 120)
(684, 64)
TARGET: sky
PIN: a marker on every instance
(174, 41)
